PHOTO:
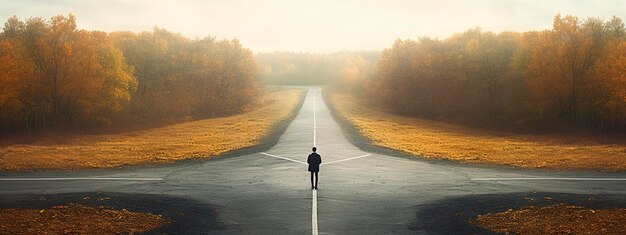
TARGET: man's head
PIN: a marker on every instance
(314, 149)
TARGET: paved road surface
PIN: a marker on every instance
(359, 192)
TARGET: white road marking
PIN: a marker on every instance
(326, 163)
(549, 178)
(314, 229)
(288, 159)
(77, 178)
(314, 122)
(347, 159)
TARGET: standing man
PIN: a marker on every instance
(314, 162)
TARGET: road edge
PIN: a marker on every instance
(356, 138)
(268, 141)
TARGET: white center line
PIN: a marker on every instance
(78, 178)
(314, 229)
(314, 121)
(288, 159)
(549, 178)
(347, 159)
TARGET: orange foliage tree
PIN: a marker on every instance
(569, 76)
(573, 74)
(56, 74)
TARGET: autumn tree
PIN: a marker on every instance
(564, 74)
(65, 75)
(18, 90)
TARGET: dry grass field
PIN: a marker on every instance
(432, 139)
(77, 219)
(555, 219)
(196, 139)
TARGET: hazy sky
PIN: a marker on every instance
(314, 25)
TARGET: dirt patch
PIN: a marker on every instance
(77, 219)
(180, 215)
(555, 219)
(456, 215)
(197, 139)
(439, 140)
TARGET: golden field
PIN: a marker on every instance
(196, 139)
(432, 139)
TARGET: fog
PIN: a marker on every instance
(314, 26)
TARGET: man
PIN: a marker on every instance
(314, 161)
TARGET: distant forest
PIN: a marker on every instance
(56, 76)
(289, 68)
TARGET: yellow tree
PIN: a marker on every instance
(17, 90)
(608, 86)
(73, 72)
(98, 82)
(578, 48)
(561, 69)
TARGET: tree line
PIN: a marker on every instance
(570, 76)
(54, 75)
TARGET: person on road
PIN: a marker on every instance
(314, 162)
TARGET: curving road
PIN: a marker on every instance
(359, 192)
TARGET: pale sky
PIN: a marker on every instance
(314, 25)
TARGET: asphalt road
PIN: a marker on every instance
(359, 192)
